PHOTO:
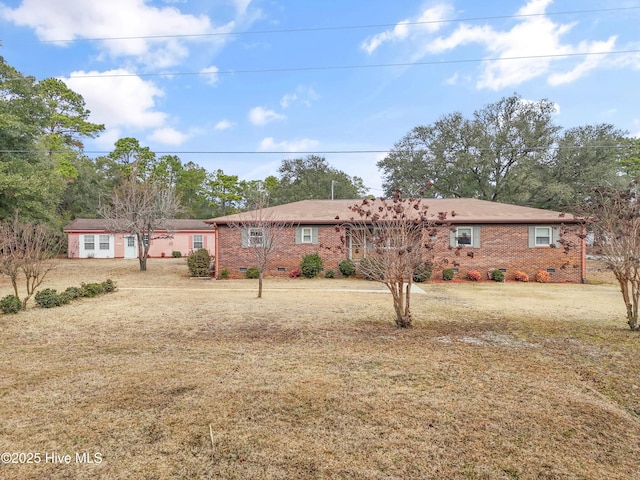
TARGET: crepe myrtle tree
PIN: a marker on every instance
(397, 234)
(28, 250)
(263, 236)
(141, 207)
(613, 217)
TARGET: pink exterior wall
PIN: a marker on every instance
(182, 242)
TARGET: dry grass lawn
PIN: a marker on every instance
(171, 377)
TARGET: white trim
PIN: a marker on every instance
(469, 236)
(549, 236)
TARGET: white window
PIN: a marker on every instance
(104, 242)
(255, 237)
(464, 236)
(543, 236)
(89, 242)
(307, 235)
(198, 242)
(131, 241)
(145, 239)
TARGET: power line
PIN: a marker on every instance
(345, 27)
(346, 67)
(306, 152)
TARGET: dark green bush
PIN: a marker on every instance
(224, 274)
(200, 263)
(48, 298)
(92, 289)
(347, 268)
(10, 304)
(447, 274)
(176, 254)
(73, 292)
(252, 272)
(108, 285)
(329, 274)
(311, 265)
(422, 273)
(497, 276)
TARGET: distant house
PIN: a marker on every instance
(481, 236)
(91, 238)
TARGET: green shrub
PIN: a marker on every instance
(497, 276)
(329, 274)
(347, 268)
(176, 254)
(48, 298)
(447, 274)
(423, 272)
(224, 274)
(252, 273)
(73, 292)
(199, 263)
(311, 265)
(108, 286)
(92, 289)
(10, 304)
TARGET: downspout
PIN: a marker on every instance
(215, 250)
(583, 255)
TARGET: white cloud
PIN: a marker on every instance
(210, 74)
(169, 136)
(534, 47)
(261, 116)
(299, 145)
(431, 18)
(118, 98)
(70, 19)
(303, 94)
(224, 125)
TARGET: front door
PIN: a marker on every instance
(130, 247)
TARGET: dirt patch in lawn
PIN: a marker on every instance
(171, 377)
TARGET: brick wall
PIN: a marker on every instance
(233, 257)
(501, 246)
(507, 247)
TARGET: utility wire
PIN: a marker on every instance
(346, 27)
(342, 67)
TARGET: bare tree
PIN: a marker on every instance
(613, 216)
(262, 236)
(26, 249)
(397, 236)
(141, 207)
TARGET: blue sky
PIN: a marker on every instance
(200, 77)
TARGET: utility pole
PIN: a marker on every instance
(332, 182)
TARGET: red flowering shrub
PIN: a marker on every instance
(295, 273)
(542, 276)
(473, 275)
(521, 276)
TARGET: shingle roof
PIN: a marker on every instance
(100, 224)
(467, 210)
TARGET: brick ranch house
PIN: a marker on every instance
(91, 238)
(482, 235)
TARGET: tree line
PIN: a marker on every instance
(45, 174)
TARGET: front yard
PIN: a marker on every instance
(171, 377)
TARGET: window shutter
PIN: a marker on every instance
(452, 238)
(245, 238)
(476, 237)
(204, 240)
(298, 235)
(532, 237)
(190, 242)
(314, 235)
(555, 236)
